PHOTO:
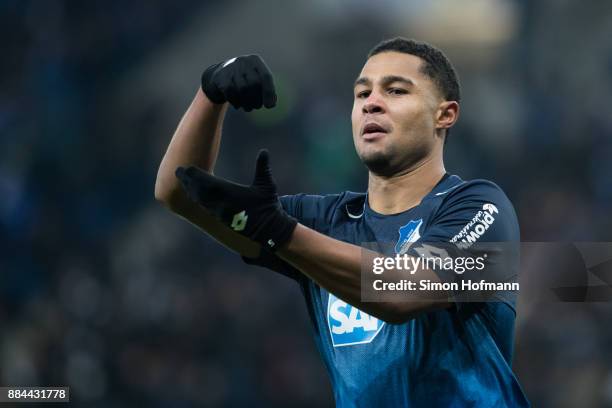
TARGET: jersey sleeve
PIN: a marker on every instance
(478, 220)
(312, 211)
(479, 211)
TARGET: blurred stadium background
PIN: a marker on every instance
(103, 290)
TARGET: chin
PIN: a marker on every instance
(377, 162)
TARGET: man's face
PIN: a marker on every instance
(394, 113)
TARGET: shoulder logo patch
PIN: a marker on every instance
(408, 234)
(476, 227)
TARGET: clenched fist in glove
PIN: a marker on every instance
(245, 82)
(253, 211)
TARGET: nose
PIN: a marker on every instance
(373, 104)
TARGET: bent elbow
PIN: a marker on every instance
(166, 196)
(161, 194)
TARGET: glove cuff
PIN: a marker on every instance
(276, 231)
(286, 226)
(208, 87)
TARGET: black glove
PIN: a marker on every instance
(253, 211)
(245, 82)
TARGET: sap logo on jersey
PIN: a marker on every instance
(408, 234)
(349, 325)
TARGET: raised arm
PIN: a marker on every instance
(245, 82)
(195, 142)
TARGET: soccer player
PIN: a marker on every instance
(427, 351)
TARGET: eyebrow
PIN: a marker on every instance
(386, 80)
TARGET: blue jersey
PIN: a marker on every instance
(455, 357)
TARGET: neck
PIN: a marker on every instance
(406, 189)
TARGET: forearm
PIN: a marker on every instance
(195, 142)
(336, 266)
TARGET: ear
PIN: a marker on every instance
(447, 114)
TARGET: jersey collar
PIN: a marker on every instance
(356, 206)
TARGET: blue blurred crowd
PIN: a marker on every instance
(104, 290)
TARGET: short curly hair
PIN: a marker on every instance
(437, 66)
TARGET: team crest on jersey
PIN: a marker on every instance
(408, 234)
(348, 325)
